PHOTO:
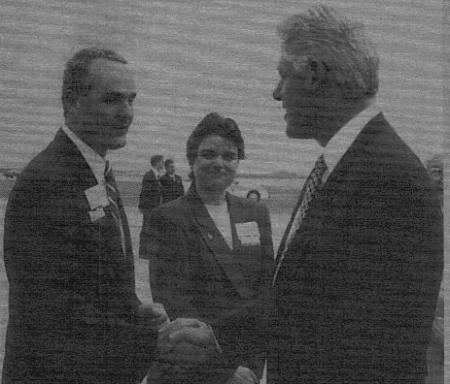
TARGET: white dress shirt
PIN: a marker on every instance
(94, 160)
(344, 138)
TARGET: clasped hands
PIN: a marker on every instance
(182, 341)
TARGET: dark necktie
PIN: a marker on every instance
(113, 197)
(312, 185)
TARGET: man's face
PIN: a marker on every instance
(160, 165)
(106, 112)
(298, 101)
(170, 169)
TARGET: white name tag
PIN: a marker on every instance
(96, 196)
(97, 214)
(248, 233)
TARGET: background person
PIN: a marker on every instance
(74, 316)
(149, 199)
(211, 257)
(435, 169)
(359, 267)
(171, 184)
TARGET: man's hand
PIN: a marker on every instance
(154, 315)
(187, 342)
(243, 375)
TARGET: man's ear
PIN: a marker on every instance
(316, 73)
(74, 105)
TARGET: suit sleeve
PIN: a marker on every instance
(171, 266)
(172, 279)
(53, 262)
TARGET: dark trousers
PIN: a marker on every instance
(143, 238)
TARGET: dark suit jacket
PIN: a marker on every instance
(150, 196)
(195, 274)
(72, 302)
(357, 289)
(171, 189)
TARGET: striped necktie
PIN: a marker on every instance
(113, 197)
(312, 185)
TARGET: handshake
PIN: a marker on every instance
(182, 341)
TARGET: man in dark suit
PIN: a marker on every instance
(74, 316)
(358, 270)
(149, 199)
(171, 184)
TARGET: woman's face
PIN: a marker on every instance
(216, 164)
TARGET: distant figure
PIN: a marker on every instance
(359, 267)
(74, 316)
(150, 198)
(211, 257)
(435, 168)
(171, 184)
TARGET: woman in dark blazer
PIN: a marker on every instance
(211, 257)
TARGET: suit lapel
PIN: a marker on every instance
(209, 231)
(214, 240)
(80, 175)
(82, 179)
(335, 192)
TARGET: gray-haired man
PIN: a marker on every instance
(358, 270)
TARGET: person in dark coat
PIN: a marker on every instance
(74, 316)
(149, 199)
(171, 184)
(359, 267)
(211, 257)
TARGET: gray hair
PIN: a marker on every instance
(341, 45)
(77, 71)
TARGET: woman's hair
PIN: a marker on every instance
(214, 124)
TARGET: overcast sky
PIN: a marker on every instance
(193, 57)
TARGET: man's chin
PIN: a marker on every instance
(117, 143)
(298, 132)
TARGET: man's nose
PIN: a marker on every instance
(219, 161)
(276, 94)
(126, 109)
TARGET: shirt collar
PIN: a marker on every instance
(94, 160)
(344, 138)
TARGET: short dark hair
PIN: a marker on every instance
(214, 124)
(77, 71)
(168, 162)
(156, 159)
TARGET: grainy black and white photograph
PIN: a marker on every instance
(222, 191)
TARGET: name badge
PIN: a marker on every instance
(96, 214)
(248, 233)
(96, 196)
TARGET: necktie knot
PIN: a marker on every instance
(318, 173)
(113, 198)
(108, 171)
